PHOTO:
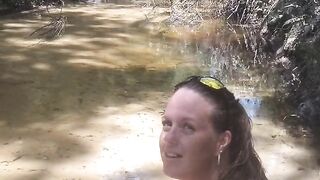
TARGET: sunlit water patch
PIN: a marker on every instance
(252, 105)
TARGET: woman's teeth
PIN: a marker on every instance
(173, 155)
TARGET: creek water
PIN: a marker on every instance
(88, 104)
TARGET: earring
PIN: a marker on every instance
(219, 157)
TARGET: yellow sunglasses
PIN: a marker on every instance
(212, 82)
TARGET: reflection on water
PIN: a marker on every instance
(252, 105)
(122, 2)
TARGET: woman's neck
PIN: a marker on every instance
(212, 175)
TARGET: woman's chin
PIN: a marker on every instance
(172, 172)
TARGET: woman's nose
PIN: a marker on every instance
(171, 136)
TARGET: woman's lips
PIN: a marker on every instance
(172, 155)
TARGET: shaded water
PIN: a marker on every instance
(88, 105)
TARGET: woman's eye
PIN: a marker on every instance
(189, 129)
(166, 125)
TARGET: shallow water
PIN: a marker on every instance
(88, 105)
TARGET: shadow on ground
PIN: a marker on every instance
(52, 92)
(59, 99)
(285, 154)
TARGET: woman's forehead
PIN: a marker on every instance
(188, 105)
(186, 98)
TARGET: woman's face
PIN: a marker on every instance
(188, 142)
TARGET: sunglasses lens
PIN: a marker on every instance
(211, 82)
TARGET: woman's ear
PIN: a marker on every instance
(224, 140)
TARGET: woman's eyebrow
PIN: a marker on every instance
(187, 120)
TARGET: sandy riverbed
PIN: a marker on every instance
(88, 106)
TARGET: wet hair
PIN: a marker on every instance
(229, 115)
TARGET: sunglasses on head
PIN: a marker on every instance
(211, 82)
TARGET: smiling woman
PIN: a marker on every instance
(207, 134)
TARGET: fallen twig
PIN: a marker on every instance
(15, 159)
